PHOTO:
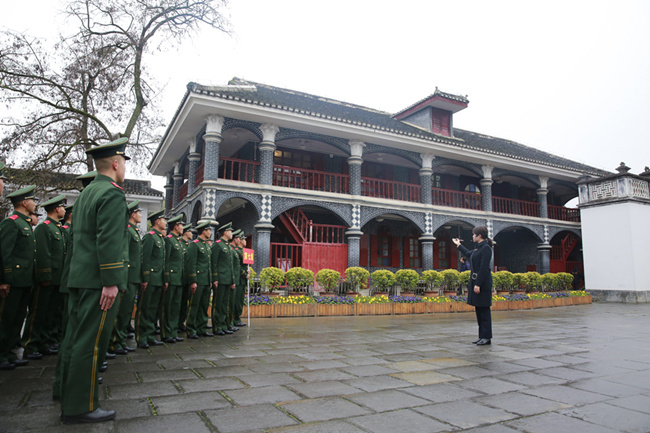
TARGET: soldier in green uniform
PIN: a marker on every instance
(153, 276)
(44, 310)
(238, 257)
(199, 275)
(18, 246)
(240, 293)
(174, 271)
(97, 267)
(223, 275)
(118, 343)
(187, 237)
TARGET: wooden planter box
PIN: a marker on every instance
(461, 307)
(418, 308)
(581, 300)
(373, 309)
(259, 311)
(501, 305)
(439, 307)
(293, 310)
(336, 310)
(543, 303)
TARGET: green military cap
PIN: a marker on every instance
(178, 219)
(22, 194)
(187, 227)
(203, 226)
(134, 206)
(154, 216)
(37, 211)
(55, 202)
(69, 207)
(225, 227)
(87, 178)
(241, 235)
(109, 149)
(2, 171)
(236, 232)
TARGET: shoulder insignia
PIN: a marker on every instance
(66, 226)
(195, 240)
(128, 226)
(114, 184)
(46, 222)
(152, 232)
(13, 217)
(219, 241)
(169, 236)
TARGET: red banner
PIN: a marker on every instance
(249, 256)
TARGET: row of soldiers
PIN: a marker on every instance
(92, 265)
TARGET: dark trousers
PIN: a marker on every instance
(484, 319)
(13, 309)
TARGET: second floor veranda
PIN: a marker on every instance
(286, 176)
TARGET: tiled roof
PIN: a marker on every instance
(68, 181)
(311, 105)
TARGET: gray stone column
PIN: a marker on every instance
(169, 193)
(544, 258)
(425, 178)
(354, 247)
(178, 183)
(542, 197)
(354, 164)
(486, 187)
(266, 148)
(262, 245)
(427, 252)
(212, 138)
(194, 158)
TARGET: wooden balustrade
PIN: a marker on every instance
(564, 213)
(516, 207)
(458, 199)
(313, 180)
(389, 189)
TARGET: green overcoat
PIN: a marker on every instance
(18, 245)
(50, 251)
(153, 258)
(174, 259)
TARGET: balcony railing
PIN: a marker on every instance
(238, 169)
(182, 193)
(516, 207)
(389, 189)
(564, 213)
(458, 199)
(285, 256)
(313, 180)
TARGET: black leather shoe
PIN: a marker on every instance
(170, 340)
(100, 380)
(120, 351)
(483, 342)
(157, 331)
(227, 331)
(129, 349)
(240, 324)
(130, 335)
(34, 356)
(98, 415)
(193, 336)
(179, 339)
(130, 329)
(476, 341)
(143, 346)
(7, 365)
(155, 343)
(49, 351)
(103, 368)
(233, 329)
(207, 334)
(20, 362)
(219, 333)
(111, 356)
(54, 346)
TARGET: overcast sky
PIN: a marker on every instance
(568, 77)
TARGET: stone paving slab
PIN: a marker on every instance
(567, 369)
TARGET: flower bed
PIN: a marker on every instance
(304, 306)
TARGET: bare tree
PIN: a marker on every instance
(92, 85)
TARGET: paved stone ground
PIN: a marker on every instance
(570, 369)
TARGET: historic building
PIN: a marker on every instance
(321, 183)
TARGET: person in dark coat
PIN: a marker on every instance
(480, 283)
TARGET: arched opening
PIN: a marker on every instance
(445, 253)
(390, 241)
(310, 237)
(242, 214)
(196, 212)
(516, 250)
(566, 256)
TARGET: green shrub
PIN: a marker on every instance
(407, 278)
(533, 281)
(357, 277)
(519, 281)
(271, 278)
(328, 278)
(299, 278)
(565, 280)
(382, 279)
(465, 277)
(502, 280)
(549, 282)
(450, 279)
(432, 278)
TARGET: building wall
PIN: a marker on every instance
(516, 250)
